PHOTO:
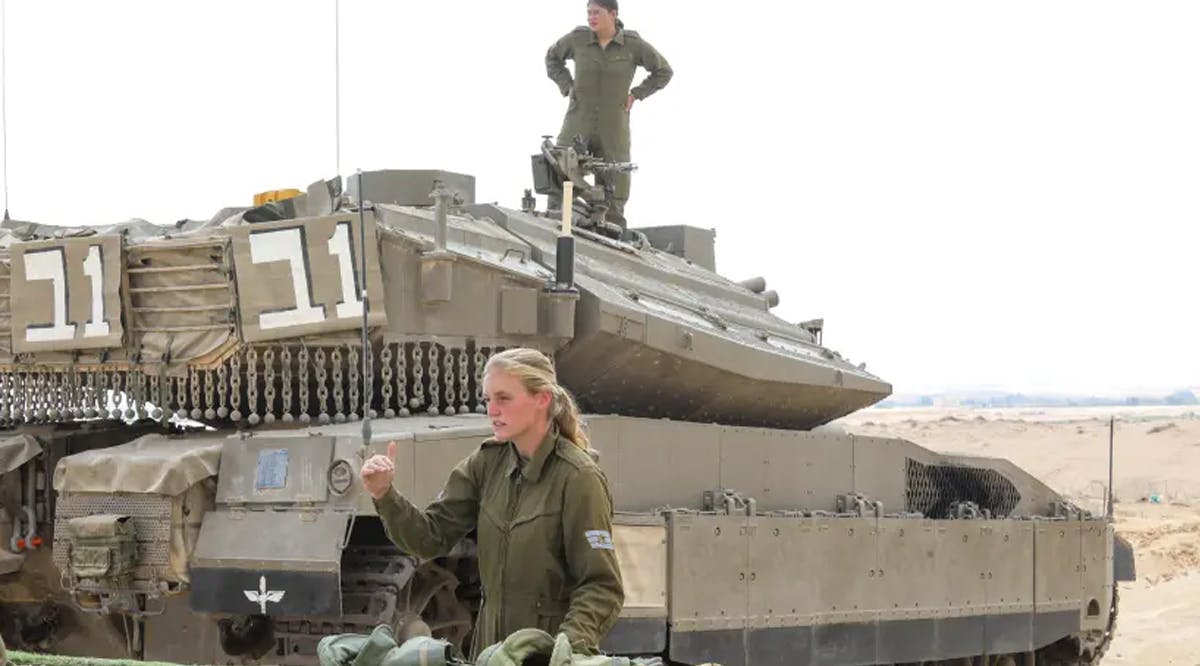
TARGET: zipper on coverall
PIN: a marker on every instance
(513, 499)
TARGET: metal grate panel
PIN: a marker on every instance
(931, 489)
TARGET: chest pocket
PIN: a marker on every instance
(619, 66)
(541, 522)
(539, 509)
(536, 504)
(598, 71)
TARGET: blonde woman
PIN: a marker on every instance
(541, 506)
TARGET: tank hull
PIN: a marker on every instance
(774, 546)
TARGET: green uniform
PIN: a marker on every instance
(599, 92)
(544, 531)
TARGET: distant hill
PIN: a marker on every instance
(999, 399)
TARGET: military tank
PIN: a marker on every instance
(186, 409)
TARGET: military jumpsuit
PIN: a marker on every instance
(599, 92)
(544, 534)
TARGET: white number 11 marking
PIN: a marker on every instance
(51, 265)
(288, 245)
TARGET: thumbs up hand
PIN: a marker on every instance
(378, 472)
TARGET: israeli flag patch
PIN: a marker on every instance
(599, 539)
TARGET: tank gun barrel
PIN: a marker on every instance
(612, 167)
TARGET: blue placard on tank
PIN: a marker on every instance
(272, 469)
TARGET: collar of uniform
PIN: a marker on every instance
(619, 37)
(532, 471)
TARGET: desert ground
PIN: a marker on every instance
(1156, 497)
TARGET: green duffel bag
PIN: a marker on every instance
(379, 648)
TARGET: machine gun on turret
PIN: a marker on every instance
(555, 165)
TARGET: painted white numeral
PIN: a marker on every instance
(93, 267)
(286, 245)
(49, 265)
(339, 246)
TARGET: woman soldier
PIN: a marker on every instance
(540, 504)
(606, 56)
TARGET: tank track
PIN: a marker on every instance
(380, 585)
(1086, 649)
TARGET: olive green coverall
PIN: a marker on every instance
(598, 94)
(544, 531)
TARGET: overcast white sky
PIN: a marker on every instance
(969, 193)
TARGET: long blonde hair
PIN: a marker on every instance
(535, 372)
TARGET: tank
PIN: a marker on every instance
(186, 408)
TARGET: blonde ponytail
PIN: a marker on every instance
(536, 373)
(566, 418)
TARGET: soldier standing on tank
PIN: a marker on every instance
(539, 502)
(606, 56)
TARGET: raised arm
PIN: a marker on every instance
(431, 532)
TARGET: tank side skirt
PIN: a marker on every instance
(849, 590)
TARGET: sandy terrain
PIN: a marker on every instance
(1157, 497)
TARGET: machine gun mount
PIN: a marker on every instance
(557, 164)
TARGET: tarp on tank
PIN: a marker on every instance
(148, 464)
(17, 450)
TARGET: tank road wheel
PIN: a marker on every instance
(429, 606)
(251, 636)
(33, 628)
(380, 586)
(414, 598)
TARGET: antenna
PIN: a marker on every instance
(1109, 500)
(337, 87)
(4, 93)
(368, 380)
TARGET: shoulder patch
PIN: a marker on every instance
(599, 539)
(582, 28)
